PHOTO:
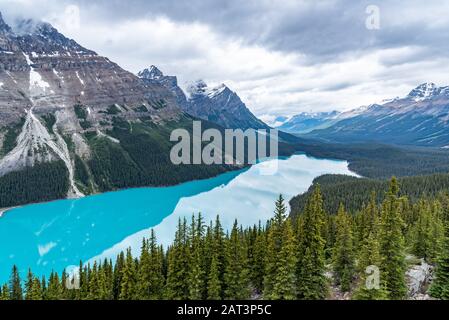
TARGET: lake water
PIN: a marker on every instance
(57, 235)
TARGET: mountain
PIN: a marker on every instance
(68, 111)
(153, 76)
(420, 119)
(306, 122)
(219, 105)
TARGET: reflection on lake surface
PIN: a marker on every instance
(55, 235)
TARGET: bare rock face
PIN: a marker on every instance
(52, 88)
(219, 105)
(418, 280)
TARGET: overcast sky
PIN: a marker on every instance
(281, 56)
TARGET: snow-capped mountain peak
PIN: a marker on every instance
(152, 73)
(424, 91)
(215, 91)
(198, 87)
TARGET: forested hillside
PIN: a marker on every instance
(354, 193)
(308, 257)
(381, 161)
(44, 182)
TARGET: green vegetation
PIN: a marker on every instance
(82, 114)
(43, 182)
(377, 161)
(277, 261)
(142, 108)
(142, 158)
(81, 171)
(354, 193)
(81, 111)
(10, 140)
(49, 121)
(113, 110)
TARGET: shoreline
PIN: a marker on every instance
(3, 211)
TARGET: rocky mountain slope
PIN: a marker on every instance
(219, 105)
(421, 119)
(62, 102)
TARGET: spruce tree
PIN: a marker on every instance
(428, 232)
(54, 289)
(274, 247)
(343, 255)
(196, 274)
(178, 259)
(29, 285)
(151, 279)
(118, 275)
(128, 283)
(4, 293)
(440, 284)
(285, 285)
(312, 282)
(236, 271)
(369, 256)
(15, 285)
(94, 284)
(259, 257)
(393, 264)
(214, 285)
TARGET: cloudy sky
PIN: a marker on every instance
(281, 56)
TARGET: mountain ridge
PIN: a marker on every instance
(99, 126)
(218, 104)
(420, 119)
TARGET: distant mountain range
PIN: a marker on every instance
(306, 122)
(419, 119)
(219, 104)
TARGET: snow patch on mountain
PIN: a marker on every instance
(37, 85)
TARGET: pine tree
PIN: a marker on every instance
(370, 257)
(32, 287)
(151, 279)
(29, 285)
(343, 255)
(236, 271)
(84, 283)
(367, 218)
(214, 288)
(440, 285)
(15, 286)
(428, 232)
(4, 293)
(196, 274)
(178, 259)
(118, 275)
(128, 283)
(104, 282)
(274, 247)
(54, 289)
(94, 283)
(312, 282)
(393, 265)
(258, 262)
(285, 284)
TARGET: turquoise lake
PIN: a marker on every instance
(57, 235)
